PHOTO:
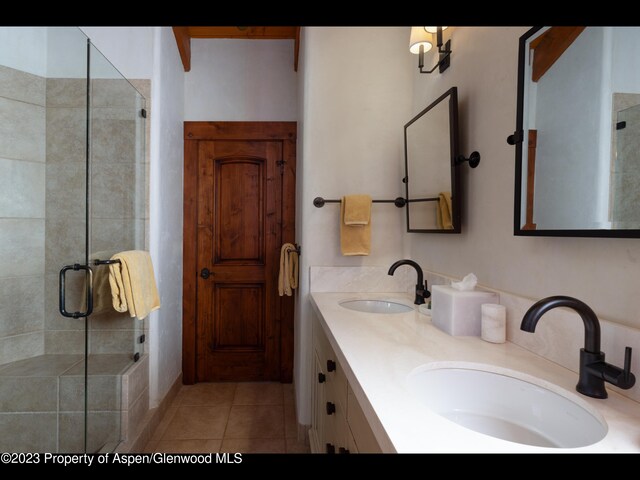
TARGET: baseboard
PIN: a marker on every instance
(151, 421)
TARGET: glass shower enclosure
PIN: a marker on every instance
(73, 182)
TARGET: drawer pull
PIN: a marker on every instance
(331, 448)
(331, 408)
(331, 365)
(321, 377)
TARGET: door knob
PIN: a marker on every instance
(205, 273)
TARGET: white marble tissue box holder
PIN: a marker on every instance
(459, 313)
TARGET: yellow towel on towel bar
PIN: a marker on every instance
(355, 237)
(357, 209)
(133, 284)
(288, 276)
(443, 211)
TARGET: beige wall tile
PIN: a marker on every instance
(112, 93)
(103, 392)
(28, 394)
(22, 86)
(21, 305)
(22, 187)
(66, 135)
(134, 381)
(22, 131)
(135, 414)
(66, 190)
(66, 92)
(28, 432)
(113, 140)
(109, 319)
(111, 341)
(19, 347)
(65, 245)
(42, 366)
(102, 427)
(21, 247)
(64, 341)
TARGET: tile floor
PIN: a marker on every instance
(230, 417)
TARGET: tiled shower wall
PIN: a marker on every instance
(22, 214)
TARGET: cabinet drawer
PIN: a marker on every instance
(364, 438)
(336, 381)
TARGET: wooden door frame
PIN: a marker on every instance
(286, 132)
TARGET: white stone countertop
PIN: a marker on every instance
(378, 351)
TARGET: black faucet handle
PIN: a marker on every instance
(427, 293)
(627, 364)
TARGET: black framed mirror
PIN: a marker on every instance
(578, 133)
(431, 174)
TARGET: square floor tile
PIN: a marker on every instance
(289, 394)
(290, 422)
(188, 446)
(164, 423)
(255, 421)
(207, 394)
(253, 445)
(197, 422)
(258, 393)
(294, 446)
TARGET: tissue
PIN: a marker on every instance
(467, 284)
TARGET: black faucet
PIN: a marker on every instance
(421, 286)
(594, 371)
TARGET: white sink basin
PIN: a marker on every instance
(509, 408)
(376, 306)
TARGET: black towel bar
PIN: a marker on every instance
(105, 262)
(398, 202)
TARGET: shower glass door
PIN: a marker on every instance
(117, 213)
(72, 191)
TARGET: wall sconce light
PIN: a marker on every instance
(420, 43)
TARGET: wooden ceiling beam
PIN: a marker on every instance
(549, 47)
(185, 34)
(183, 39)
(243, 32)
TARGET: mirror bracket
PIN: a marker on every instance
(517, 137)
(474, 159)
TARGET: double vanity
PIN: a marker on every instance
(387, 380)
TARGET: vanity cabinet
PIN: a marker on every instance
(338, 424)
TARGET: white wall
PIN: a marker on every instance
(25, 49)
(355, 87)
(167, 116)
(602, 272)
(241, 80)
(127, 48)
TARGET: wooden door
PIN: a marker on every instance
(239, 196)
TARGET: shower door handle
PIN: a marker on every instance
(89, 291)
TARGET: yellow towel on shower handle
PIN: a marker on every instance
(355, 238)
(133, 283)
